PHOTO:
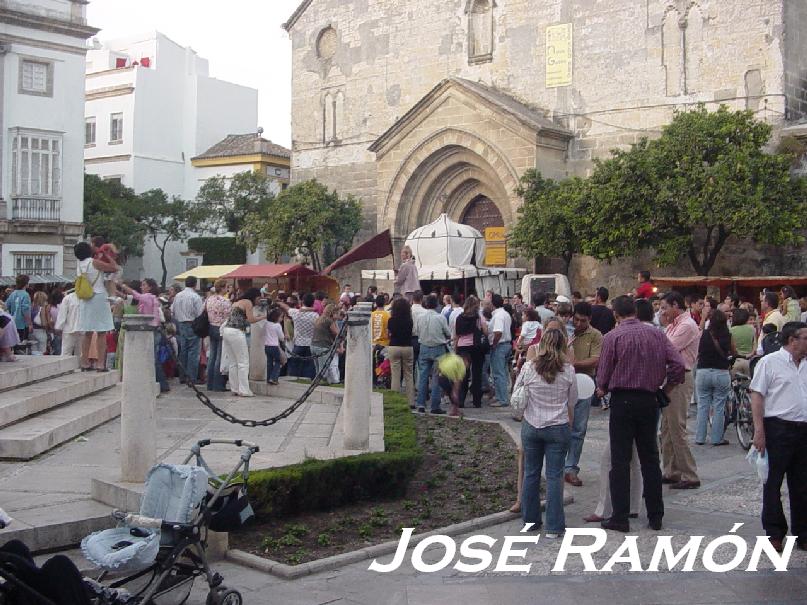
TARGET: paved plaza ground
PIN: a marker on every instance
(60, 481)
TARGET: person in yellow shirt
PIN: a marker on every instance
(378, 323)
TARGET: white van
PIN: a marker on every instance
(556, 283)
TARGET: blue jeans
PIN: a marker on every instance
(501, 377)
(272, 363)
(579, 427)
(189, 347)
(427, 367)
(215, 379)
(159, 373)
(713, 388)
(551, 442)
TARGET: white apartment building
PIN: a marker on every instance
(42, 59)
(150, 107)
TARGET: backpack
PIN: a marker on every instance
(771, 343)
(83, 287)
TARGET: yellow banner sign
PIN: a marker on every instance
(559, 55)
(495, 234)
(495, 255)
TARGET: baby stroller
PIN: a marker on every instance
(165, 543)
(154, 556)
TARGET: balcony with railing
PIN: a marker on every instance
(36, 209)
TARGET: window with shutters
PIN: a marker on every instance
(480, 31)
(116, 128)
(33, 263)
(36, 164)
(89, 131)
(36, 77)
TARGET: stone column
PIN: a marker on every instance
(358, 379)
(138, 424)
(257, 356)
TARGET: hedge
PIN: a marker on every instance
(219, 250)
(326, 484)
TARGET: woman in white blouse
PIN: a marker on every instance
(551, 393)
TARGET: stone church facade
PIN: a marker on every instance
(427, 106)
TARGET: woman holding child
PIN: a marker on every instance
(95, 315)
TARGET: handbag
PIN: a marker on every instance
(518, 398)
(480, 340)
(201, 325)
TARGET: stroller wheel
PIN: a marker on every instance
(224, 596)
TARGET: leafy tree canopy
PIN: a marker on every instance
(228, 202)
(305, 218)
(111, 210)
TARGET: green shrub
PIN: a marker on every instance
(219, 250)
(327, 484)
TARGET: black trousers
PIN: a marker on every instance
(634, 419)
(786, 443)
(473, 375)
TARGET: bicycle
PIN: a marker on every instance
(738, 409)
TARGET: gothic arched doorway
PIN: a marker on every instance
(481, 213)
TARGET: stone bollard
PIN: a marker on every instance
(138, 424)
(257, 355)
(358, 379)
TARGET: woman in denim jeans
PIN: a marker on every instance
(713, 380)
(551, 394)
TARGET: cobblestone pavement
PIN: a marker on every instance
(730, 494)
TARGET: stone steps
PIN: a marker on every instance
(33, 436)
(33, 368)
(39, 397)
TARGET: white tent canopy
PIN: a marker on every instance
(446, 249)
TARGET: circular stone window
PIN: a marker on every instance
(327, 42)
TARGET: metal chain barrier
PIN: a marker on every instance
(225, 415)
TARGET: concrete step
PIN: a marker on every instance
(59, 526)
(50, 393)
(117, 494)
(32, 368)
(33, 436)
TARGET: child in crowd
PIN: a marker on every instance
(272, 346)
(108, 253)
(170, 366)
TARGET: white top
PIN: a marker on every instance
(67, 317)
(547, 404)
(452, 319)
(94, 275)
(545, 313)
(187, 305)
(501, 322)
(274, 334)
(529, 329)
(783, 384)
(417, 312)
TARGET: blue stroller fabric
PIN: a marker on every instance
(173, 493)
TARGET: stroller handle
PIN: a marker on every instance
(236, 442)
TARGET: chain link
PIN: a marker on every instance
(225, 415)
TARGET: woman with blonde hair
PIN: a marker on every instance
(550, 388)
(40, 319)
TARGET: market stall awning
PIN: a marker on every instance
(207, 271)
(38, 279)
(269, 271)
(378, 246)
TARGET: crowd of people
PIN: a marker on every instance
(651, 355)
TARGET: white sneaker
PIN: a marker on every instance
(551, 536)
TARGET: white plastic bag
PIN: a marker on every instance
(5, 519)
(758, 462)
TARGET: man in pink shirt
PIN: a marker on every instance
(679, 465)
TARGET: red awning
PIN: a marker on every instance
(377, 246)
(269, 271)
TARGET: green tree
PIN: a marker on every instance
(228, 202)
(551, 220)
(168, 220)
(111, 210)
(706, 179)
(305, 218)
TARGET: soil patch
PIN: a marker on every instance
(468, 471)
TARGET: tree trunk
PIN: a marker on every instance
(162, 260)
(711, 250)
(567, 262)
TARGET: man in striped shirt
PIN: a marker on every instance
(634, 362)
(186, 307)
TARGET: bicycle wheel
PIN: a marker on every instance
(745, 421)
(730, 411)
